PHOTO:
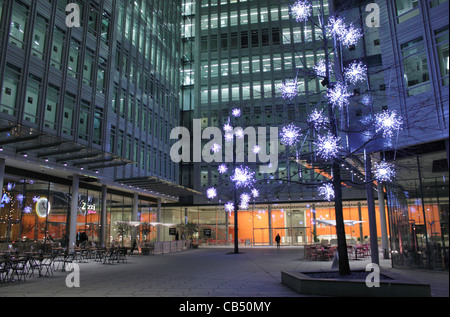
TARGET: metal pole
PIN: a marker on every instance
(383, 223)
(74, 212)
(371, 209)
(424, 213)
(103, 216)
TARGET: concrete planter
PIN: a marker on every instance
(390, 286)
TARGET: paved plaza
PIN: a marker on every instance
(205, 272)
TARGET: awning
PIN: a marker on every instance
(159, 186)
(33, 143)
(333, 222)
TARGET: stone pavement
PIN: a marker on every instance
(205, 272)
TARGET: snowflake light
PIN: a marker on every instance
(20, 198)
(356, 72)
(211, 193)
(350, 36)
(239, 133)
(216, 148)
(338, 95)
(290, 135)
(384, 172)
(318, 120)
(223, 169)
(327, 191)
(321, 68)
(36, 199)
(388, 122)
(256, 149)
(236, 112)
(244, 205)
(336, 26)
(229, 206)
(301, 10)
(227, 128)
(243, 177)
(289, 89)
(255, 193)
(245, 198)
(327, 146)
(27, 210)
(229, 137)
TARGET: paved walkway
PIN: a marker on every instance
(206, 272)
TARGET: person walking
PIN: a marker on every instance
(278, 240)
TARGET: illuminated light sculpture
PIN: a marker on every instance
(229, 206)
(239, 133)
(236, 112)
(223, 169)
(255, 193)
(229, 137)
(301, 10)
(356, 72)
(321, 68)
(227, 128)
(211, 193)
(290, 134)
(216, 148)
(384, 172)
(388, 122)
(318, 120)
(336, 26)
(256, 149)
(327, 146)
(327, 191)
(243, 177)
(350, 36)
(289, 89)
(338, 95)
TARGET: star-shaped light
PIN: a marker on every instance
(350, 36)
(389, 122)
(321, 68)
(236, 112)
(229, 137)
(327, 146)
(216, 148)
(229, 206)
(211, 193)
(223, 169)
(356, 72)
(36, 199)
(255, 193)
(239, 133)
(301, 10)
(227, 128)
(327, 191)
(336, 26)
(289, 89)
(243, 177)
(290, 134)
(256, 149)
(27, 210)
(318, 120)
(384, 172)
(20, 198)
(338, 95)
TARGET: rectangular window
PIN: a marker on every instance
(74, 58)
(51, 107)
(67, 121)
(441, 38)
(19, 19)
(39, 37)
(57, 47)
(83, 127)
(11, 79)
(32, 99)
(415, 66)
(406, 9)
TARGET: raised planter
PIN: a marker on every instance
(310, 283)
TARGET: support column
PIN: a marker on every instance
(2, 173)
(371, 209)
(361, 236)
(74, 212)
(134, 216)
(103, 216)
(158, 229)
(383, 223)
(270, 225)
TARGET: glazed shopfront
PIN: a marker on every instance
(36, 211)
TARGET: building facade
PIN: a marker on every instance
(89, 95)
